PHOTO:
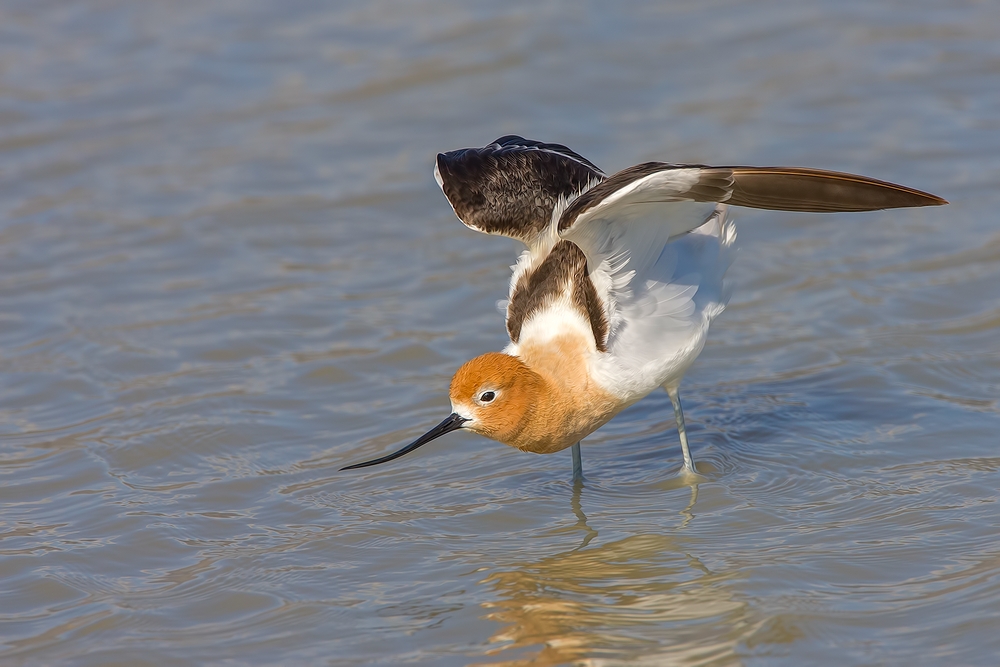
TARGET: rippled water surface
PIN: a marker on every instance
(226, 271)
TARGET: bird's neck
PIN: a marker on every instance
(568, 405)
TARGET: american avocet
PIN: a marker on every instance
(620, 280)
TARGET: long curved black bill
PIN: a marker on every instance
(453, 422)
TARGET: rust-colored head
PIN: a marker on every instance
(493, 395)
(497, 394)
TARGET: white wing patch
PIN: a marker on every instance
(624, 235)
(660, 313)
(625, 232)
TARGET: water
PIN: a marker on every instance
(227, 272)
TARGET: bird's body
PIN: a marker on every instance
(619, 283)
(656, 324)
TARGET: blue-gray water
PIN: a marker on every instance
(226, 271)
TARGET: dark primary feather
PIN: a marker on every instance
(819, 190)
(511, 186)
(772, 188)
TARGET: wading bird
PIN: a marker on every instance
(620, 280)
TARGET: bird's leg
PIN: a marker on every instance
(577, 463)
(681, 431)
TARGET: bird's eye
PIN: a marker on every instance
(487, 397)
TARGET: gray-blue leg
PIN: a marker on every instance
(675, 399)
(577, 463)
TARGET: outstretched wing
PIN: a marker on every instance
(772, 188)
(624, 217)
(511, 186)
(652, 273)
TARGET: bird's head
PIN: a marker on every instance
(494, 395)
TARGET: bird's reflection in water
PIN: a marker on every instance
(576, 503)
(644, 599)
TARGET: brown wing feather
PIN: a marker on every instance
(818, 190)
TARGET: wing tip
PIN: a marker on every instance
(919, 198)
